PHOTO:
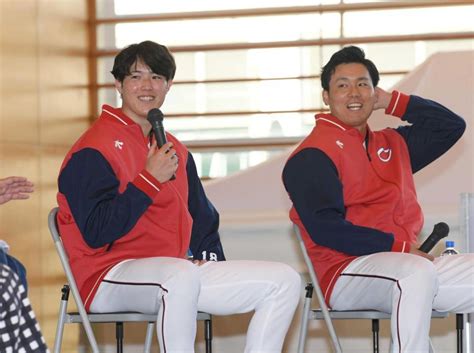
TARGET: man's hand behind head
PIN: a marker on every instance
(383, 98)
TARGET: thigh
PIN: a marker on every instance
(135, 285)
(456, 283)
(231, 287)
(369, 281)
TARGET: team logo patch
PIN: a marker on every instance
(384, 154)
(118, 144)
(340, 144)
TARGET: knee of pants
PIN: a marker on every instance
(422, 275)
(185, 278)
(288, 280)
(293, 279)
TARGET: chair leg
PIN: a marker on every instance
(375, 334)
(61, 319)
(305, 318)
(459, 330)
(119, 336)
(149, 336)
(208, 335)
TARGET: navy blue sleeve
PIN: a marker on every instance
(434, 130)
(91, 188)
(313, 184)
(205, 239)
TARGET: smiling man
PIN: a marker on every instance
(355, 203)
(127, 225)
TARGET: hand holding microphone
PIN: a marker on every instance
(439, 232)
(165, 157)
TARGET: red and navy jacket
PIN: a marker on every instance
(354, 195)
(111, 209)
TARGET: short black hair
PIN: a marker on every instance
(156, 56)
(348, 55)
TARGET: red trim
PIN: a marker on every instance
(398, 104)
(147, 183)
(118, 114)
(328, 118)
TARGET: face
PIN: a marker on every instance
(141, 91)
(351, 96)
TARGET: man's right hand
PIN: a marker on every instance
(163, 162)
(415, 251)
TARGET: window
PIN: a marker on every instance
(249, 70)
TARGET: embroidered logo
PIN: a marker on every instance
(118, 144)
(384, 154)
(340, 144)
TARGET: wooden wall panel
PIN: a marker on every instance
(44, 103)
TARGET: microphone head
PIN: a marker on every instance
(154, 116)
(442, 229)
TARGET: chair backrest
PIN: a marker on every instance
(319, 294)
(53, 229)
(309, 265)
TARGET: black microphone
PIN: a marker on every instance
(439, 232)
(155, 118)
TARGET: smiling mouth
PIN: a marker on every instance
(354, 106)
(146, 98)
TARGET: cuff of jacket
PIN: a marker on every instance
(148, 184)
(398, 104)
(401, 246)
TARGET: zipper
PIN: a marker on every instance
(366, 142)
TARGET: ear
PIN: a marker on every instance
(168, 85)
(326, 97)
(118, 86)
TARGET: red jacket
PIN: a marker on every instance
(378, 193)
(122, 143)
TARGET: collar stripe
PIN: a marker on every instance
(332, 122)
(116, 116)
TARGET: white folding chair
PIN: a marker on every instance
(324, 313)
(117, 317)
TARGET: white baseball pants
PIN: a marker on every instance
(409, 287)
(176, 289)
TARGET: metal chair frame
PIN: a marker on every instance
(119, 318)
(326, 314)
